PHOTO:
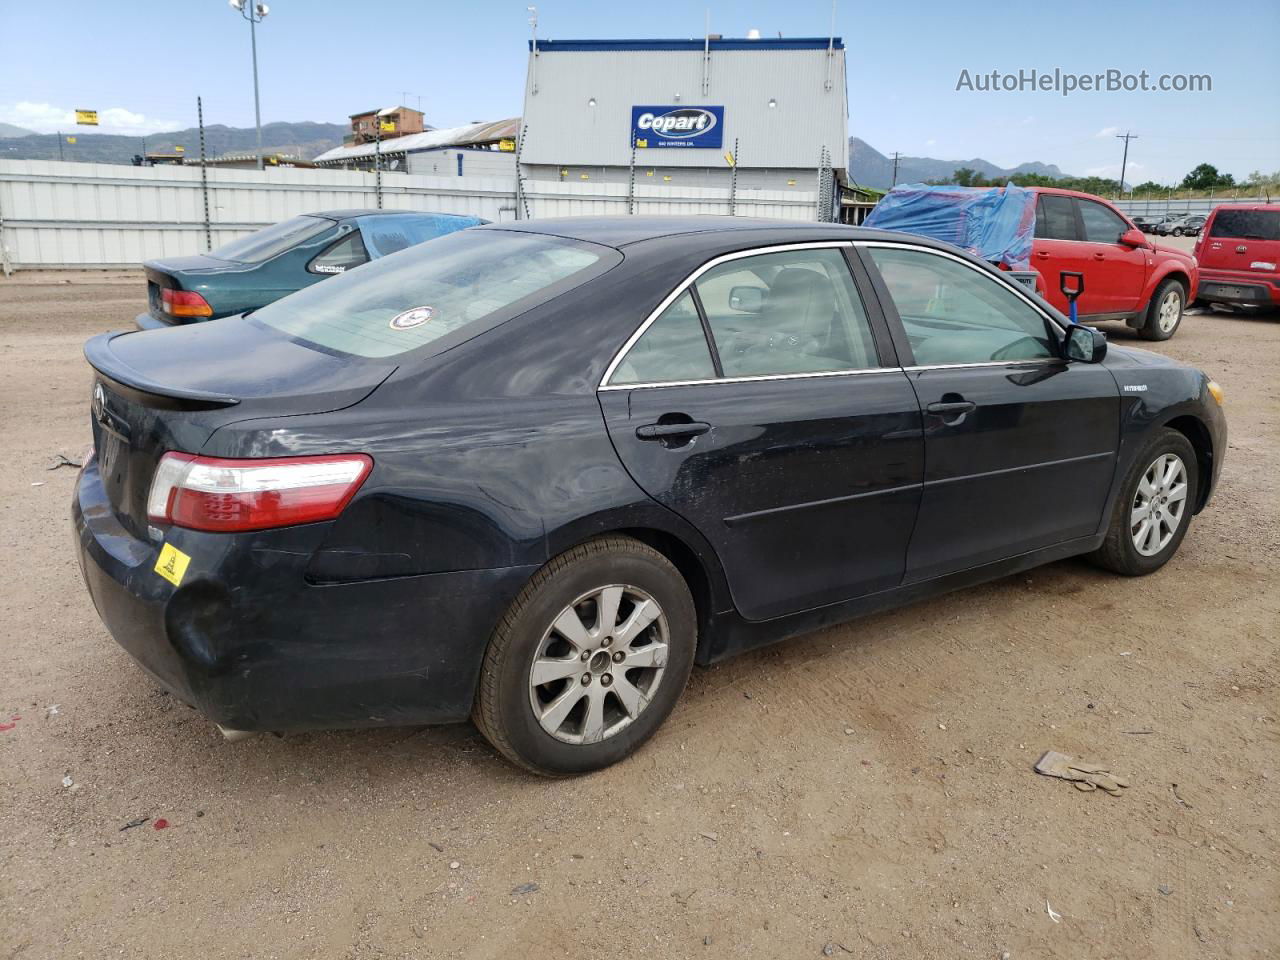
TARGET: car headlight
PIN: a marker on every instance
(1216, 392)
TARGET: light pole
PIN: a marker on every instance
(253, 12)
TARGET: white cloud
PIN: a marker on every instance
(47, 118)
(931, 143)
(1027, 121)
(1112, 170)
(1107, 132)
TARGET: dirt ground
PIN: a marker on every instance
(865, 791)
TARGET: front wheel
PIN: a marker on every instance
(1153, 508)
(1164, 313)
(1177, 231)
(589, 660)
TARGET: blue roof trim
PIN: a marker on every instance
(788, 43)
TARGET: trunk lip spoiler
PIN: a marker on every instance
(98, 352)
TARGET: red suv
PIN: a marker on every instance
(1127, 277)
(1239, 253)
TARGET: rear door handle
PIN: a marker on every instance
(663, 431)
(952, 407)
(1099, 256)
(1042, 255)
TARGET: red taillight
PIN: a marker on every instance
(226, 496)
(184, 303)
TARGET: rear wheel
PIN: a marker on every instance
(589, 660)
(1153, 509)
(1164, 313)
(1177, 231)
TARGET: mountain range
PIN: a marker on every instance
(302, 139)
(867, 165)
(871, 168)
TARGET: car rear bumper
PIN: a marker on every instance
(262, 648)
(1225, 287)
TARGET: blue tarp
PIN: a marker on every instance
(996, 224)
(384, 234)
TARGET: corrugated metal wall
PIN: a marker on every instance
(560, 127)
(55, 214)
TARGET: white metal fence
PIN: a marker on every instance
(1162, 206)
(55, 214)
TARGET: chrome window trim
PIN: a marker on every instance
(761, 377)
(1016, 288)
(688, 281)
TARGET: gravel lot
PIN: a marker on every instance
(865, 791)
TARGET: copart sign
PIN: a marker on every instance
(677, 126)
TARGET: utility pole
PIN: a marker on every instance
(1125, 162)
(896, 155)
(59, 144)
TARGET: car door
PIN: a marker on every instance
(763, 404)
(1057, 247)
(1020, 445)
(1117, 273)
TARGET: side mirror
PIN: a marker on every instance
(1133, 237)
(746, 299)
(1084, 344)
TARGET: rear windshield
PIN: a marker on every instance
(398, 303)
(266, 243)
(1247, 224)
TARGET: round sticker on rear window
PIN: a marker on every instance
(412, 318)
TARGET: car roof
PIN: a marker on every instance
(622, 231)
(1264, 207)
(358, 212)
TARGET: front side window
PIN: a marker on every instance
(268, 242)
(1100, 224)
(795, 311)
(953, 313)
(1055, 218)
(673, 348)
(396, 304)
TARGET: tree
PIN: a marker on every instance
(1206, 177)
(966, 177)
(1150, 187)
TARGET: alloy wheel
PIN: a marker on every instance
(1170, 310)
(1158, 504)
(599, 664)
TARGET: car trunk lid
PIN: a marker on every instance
(165, 390)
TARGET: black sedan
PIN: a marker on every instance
(532, 473)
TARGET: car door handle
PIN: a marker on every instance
(1042, 255)
(951, 408)
(1099, 256)
(664, 431)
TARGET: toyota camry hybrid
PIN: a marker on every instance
(531, 473)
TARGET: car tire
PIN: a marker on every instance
(1164, 312)
(1130, 548)
(1177, 231)
(555, 727)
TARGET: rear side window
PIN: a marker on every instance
(795, 311)
(1055, 218)
(342, 256)
(1100, 224)
(271, 241)
(399, 303)
(673, 348)
(1247, 224)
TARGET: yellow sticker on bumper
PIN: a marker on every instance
(172, 564)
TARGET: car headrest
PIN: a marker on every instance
(801, 298)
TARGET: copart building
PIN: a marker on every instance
(771, 113)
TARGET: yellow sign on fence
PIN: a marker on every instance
(87, 117)
(71, 139)
(507, 145)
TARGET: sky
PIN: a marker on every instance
(142, 65)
